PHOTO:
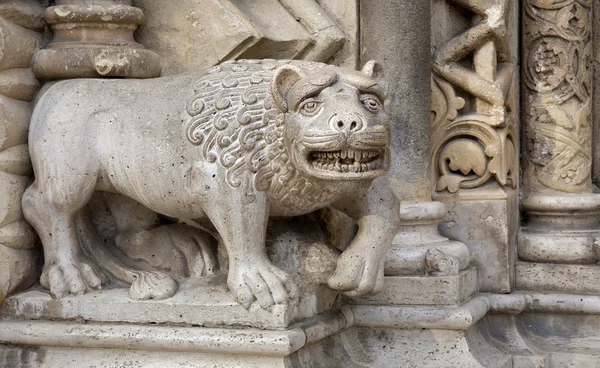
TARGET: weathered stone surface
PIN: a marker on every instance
(441, 290)
(485, 219)
(569, 278)
(19, 40)
(94, 39)
(223, 154)
(14, 122)
(304, 29)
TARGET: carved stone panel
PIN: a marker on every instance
(557, 87)
(473, 132)
(212, 31)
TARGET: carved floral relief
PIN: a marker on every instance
(472, 126)
(557, 85)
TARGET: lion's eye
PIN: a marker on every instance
(309, 107)
(371, 103)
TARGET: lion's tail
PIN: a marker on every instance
(144, 284)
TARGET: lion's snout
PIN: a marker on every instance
(347, 123)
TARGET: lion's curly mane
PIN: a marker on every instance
(237, 124)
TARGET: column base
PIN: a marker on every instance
(560, 229)
(419, 249)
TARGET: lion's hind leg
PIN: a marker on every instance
(49, 205)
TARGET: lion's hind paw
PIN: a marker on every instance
(74, 277)
(263, 281)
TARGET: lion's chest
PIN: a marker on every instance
(298, 196)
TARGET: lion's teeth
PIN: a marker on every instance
(364, 167)
(351, 153)
(344, 153)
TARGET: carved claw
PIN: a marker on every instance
(441, 264)
(263, 281)
(72, 276)
(357, 274)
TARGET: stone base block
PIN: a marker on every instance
(486, 221)
(204, 305)
(568, 278)
(440, 290)
(67, 344)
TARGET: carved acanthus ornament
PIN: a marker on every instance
(476, 144)
(557, 57)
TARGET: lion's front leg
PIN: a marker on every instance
(359, 269)
(242, 227)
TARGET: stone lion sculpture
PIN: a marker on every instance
(235, 144)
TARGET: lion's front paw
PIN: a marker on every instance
(357, 274)
(73, 276)
(260, 280)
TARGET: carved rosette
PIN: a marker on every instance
(474, 136)
(557, 58)
(94, 39)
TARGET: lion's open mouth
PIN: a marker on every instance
(346, 160)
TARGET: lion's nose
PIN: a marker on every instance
(348, 123)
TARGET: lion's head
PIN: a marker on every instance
(335, 123)
(286, 125)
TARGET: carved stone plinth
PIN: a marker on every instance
(94, 39)
(49, 344)
(441, 290)
(205, 302)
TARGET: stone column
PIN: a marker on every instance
(94, 39)
(562, 226)
(397, 33)
(21, 23)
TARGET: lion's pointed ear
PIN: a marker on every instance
(374, 70)
(283, 80)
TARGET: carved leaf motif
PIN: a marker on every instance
(444, 102)
(462, 155)
(470, 149)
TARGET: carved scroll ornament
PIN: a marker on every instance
(471, 148)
